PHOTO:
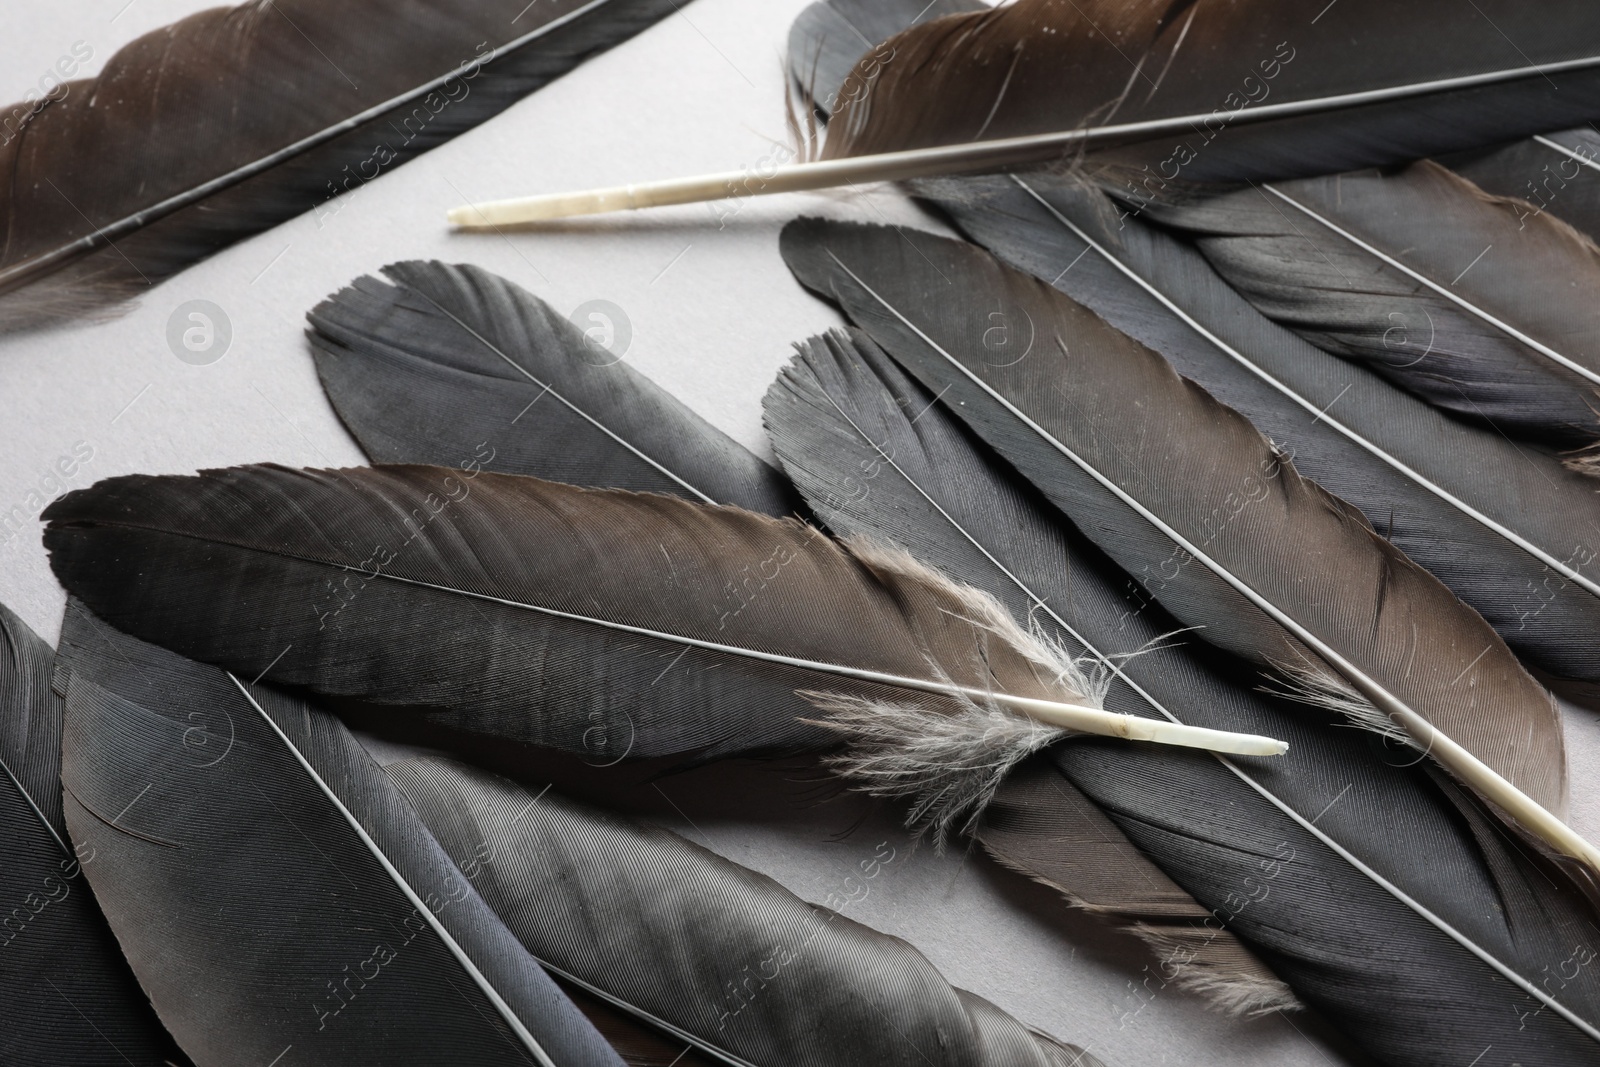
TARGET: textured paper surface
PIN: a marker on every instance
(712, 313)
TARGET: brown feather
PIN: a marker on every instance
(1046, 66)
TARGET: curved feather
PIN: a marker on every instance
(1040, 66)
(455, 366)
(237, 118)
(1376, 920)
(1429, 282)
(1504, 527)
(1152, 469)
(272, 890)
(597, 621)
(70, 999)
(726, 959)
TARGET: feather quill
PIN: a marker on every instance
(70, 999)
(1503, 526)
(237, 118)
(1364, 914)
(1422, 277)
(454, 366)
(271, 888)
(725, 959)
(406, 399)
(1218, 524)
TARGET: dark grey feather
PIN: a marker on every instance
(878, 458)
(454, 366)
(601, 622)
(273, 891)
(1556, 173)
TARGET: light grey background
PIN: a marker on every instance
(713, 313)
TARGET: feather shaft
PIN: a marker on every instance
(1532, 815)
(969, 158)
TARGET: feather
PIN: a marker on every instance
(1377, 921)
(70, 999)
(600, 622)
(725, 958)
(1556, 173)
(235, 119)
(1176, 90)
(233, 824)
(1501, 525)
(998, 74)
(1215, 522)
(452, 365)
(1425, 279)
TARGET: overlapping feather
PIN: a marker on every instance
(1502, 525)
(1428, 281)
(1375, 920)
(1184, 493)
(601, 622)
(723, 958)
